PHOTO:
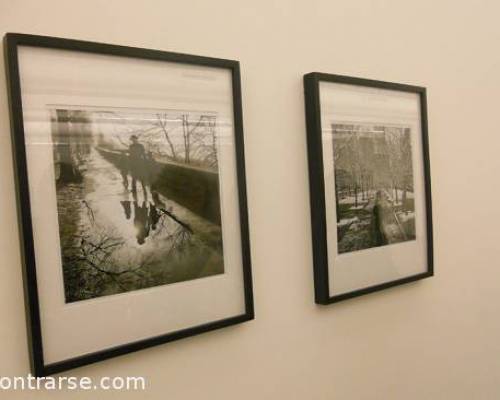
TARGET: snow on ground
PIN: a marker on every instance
(347, 200)
(347, 221)
(352, 199)
(404, 217)
(390, 193)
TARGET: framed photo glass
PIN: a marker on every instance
(132, 201)
(369, 185)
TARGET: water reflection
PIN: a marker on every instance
(145, 215)
(117, 240)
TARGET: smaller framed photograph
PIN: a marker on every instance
(131, 197)
(370, 185)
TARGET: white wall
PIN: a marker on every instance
(435, 339)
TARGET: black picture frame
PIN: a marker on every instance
(317, 187)
(12, 41)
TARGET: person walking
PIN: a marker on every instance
(137, 163)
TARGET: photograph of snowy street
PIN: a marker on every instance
(374, 187)
(137, 198)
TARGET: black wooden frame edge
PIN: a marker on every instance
(133, 347)
(30, 286)
(317, 190)
(11, 43)
(51, 42)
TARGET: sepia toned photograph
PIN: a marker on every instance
(137, 198)
(374, 191)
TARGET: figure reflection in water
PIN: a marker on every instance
(146, 217)
(126, 208)
(154, 216)
(141, 221)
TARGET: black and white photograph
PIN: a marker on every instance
(137, 198)
(132, 197)
(369, 179)
(373, 185)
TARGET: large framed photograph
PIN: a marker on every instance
(369, 185)
(132, 200)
